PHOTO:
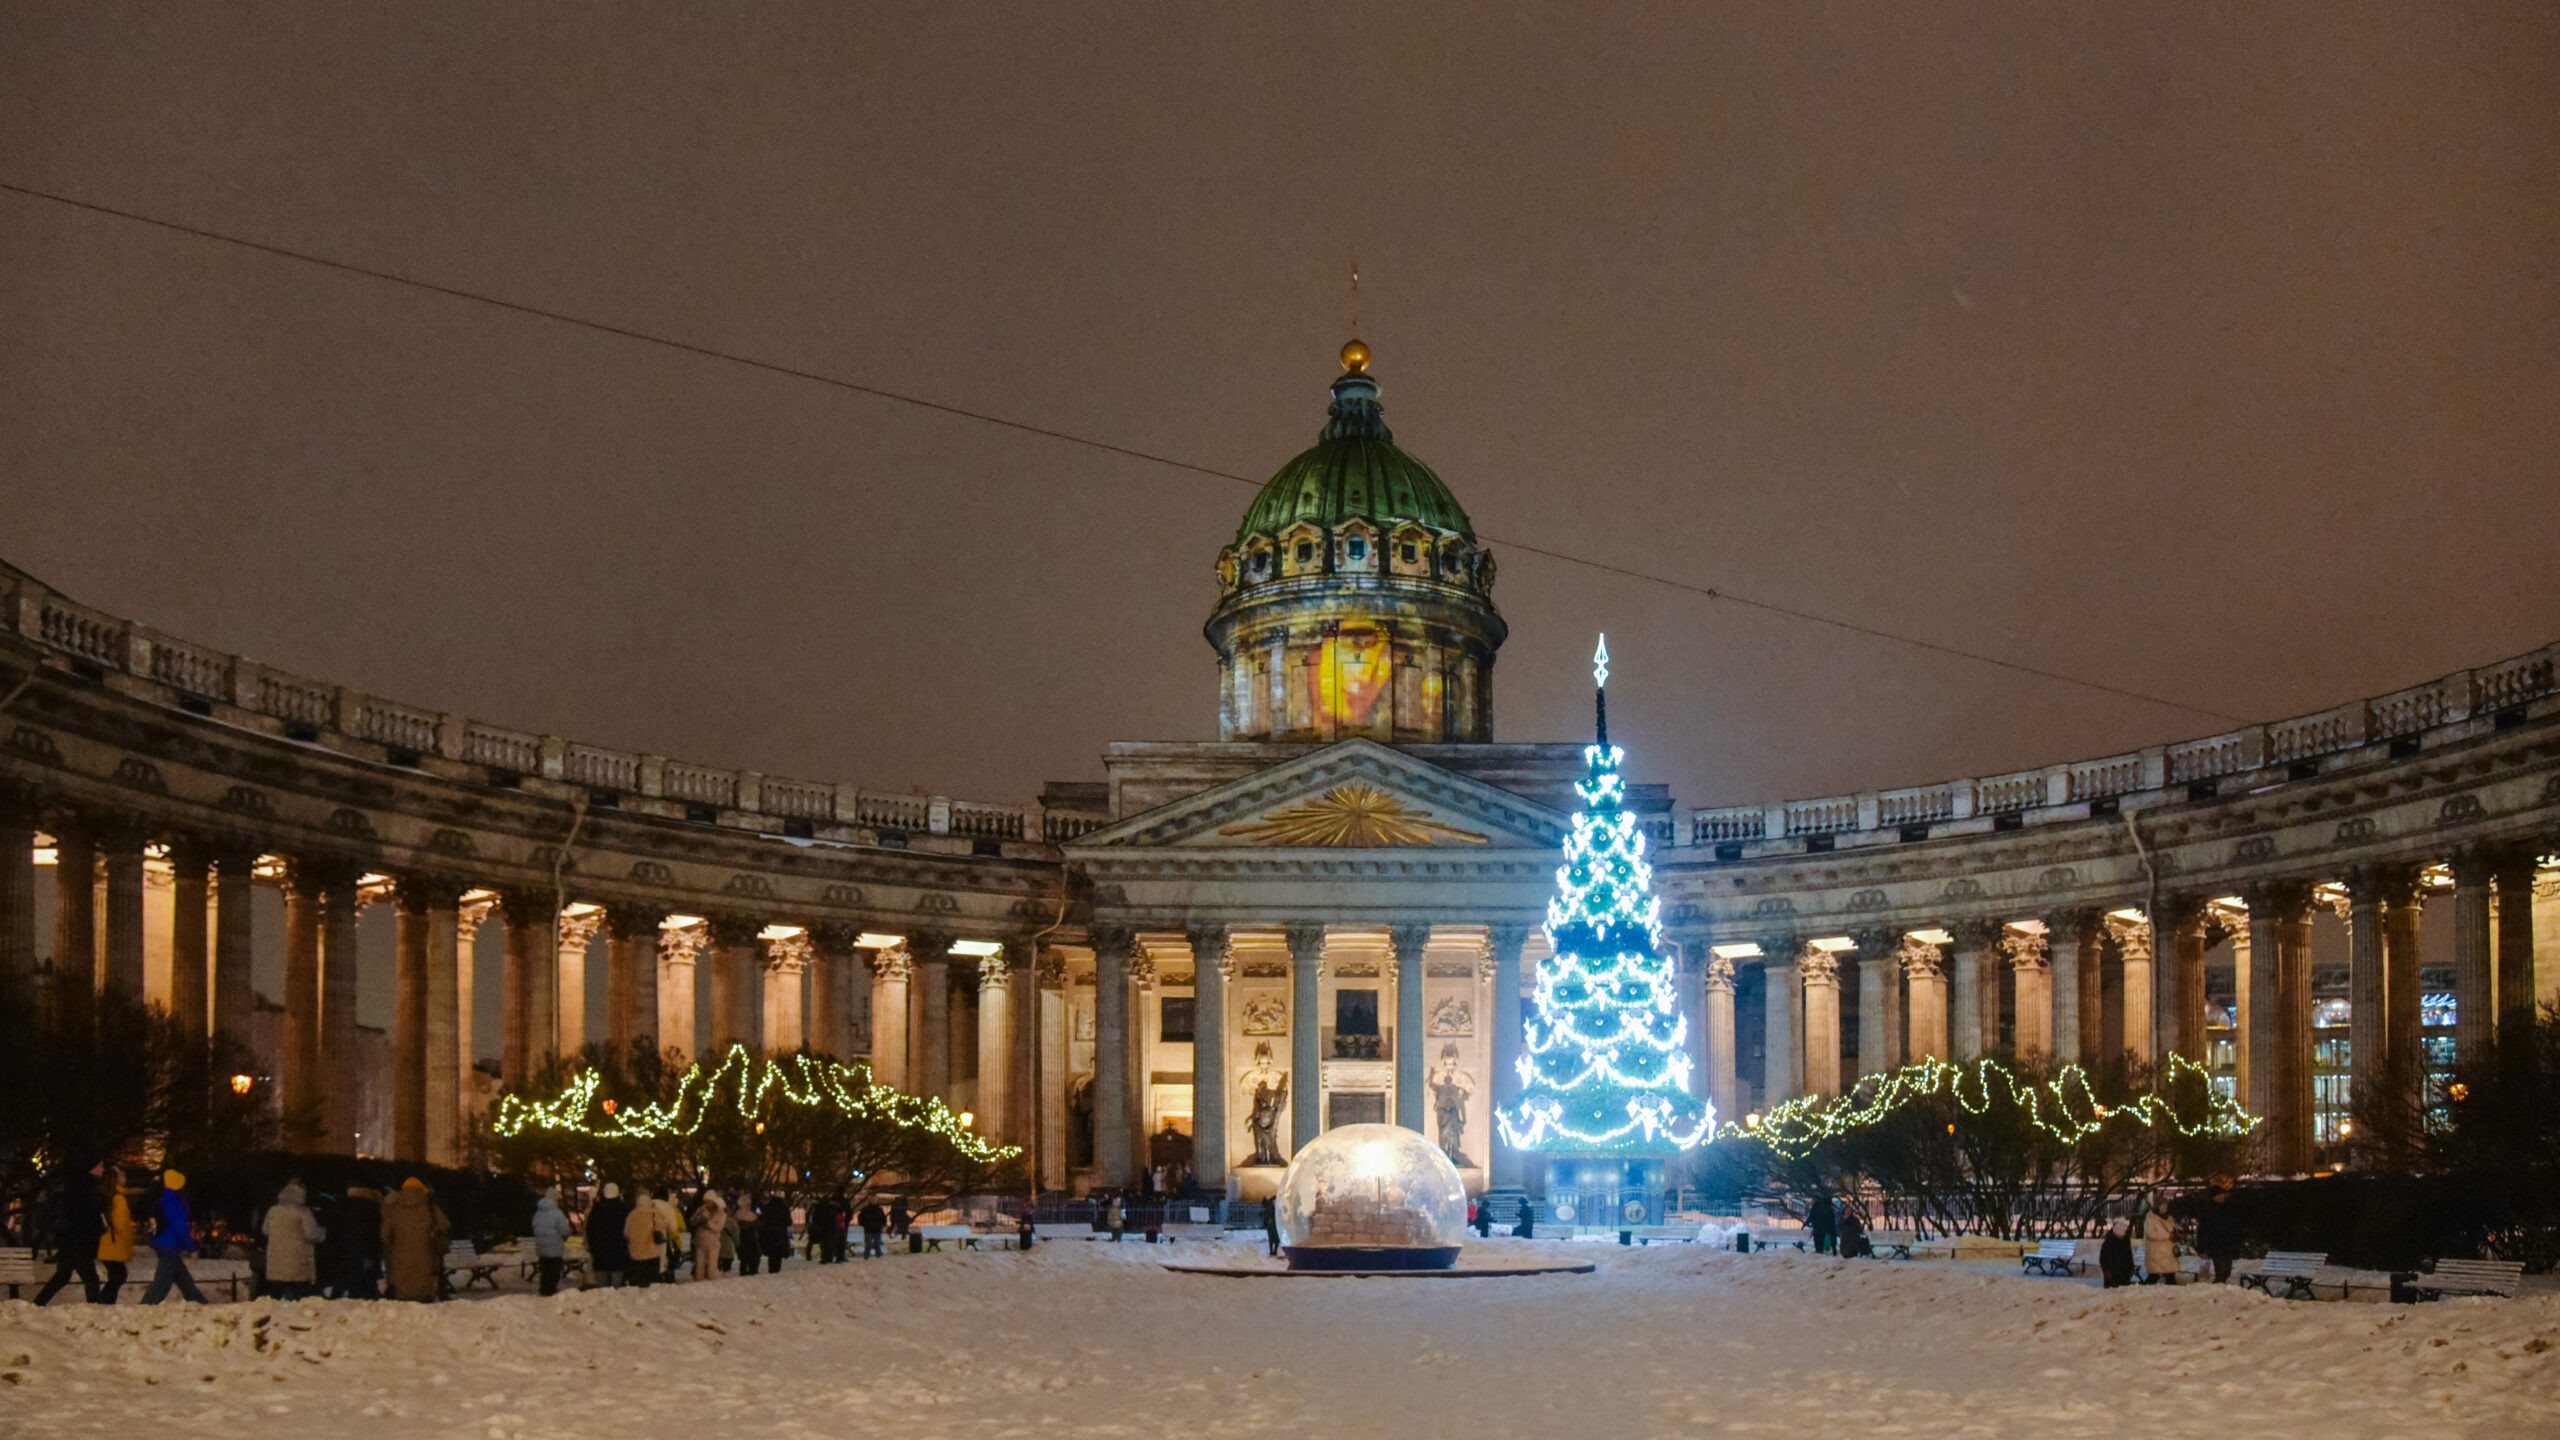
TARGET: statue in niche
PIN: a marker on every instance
(1266, 1014)
(1269, 1087)
(1454, 1015)
(1451, 1088)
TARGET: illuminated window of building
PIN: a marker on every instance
(1306, 551)
(1359, 548)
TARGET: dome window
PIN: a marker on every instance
(1359, 548)
(1410, 556)
(1306, 551)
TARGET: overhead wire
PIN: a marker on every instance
(1067, 437)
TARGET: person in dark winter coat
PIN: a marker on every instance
(900, 1220)
(608, 1248)
(773, 1233)
(1853, 1238)
(79, 1219)
(1822, 1224)
(2218, 1229)
(874, 1221)
(172, 1244)
(1271, 1222)
(827, 1222)
(2115, 1255)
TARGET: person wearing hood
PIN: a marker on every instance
(414, 1235)
(172, 1243)
(2159, 1242)
(746, 1232)
(293, 1268)
(79, 1228)
(773, 1232)
(644, 1237)
(115, 1246)
(710, 1219)
(2115, 1254)
(551, 1231)
(608, 1247)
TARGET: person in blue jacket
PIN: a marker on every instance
(172, 1243)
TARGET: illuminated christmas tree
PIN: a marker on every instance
(1605, 1071)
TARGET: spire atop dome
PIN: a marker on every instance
(1355, 413)
(1355, 357)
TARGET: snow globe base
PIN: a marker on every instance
(1371, 1257)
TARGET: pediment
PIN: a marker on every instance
(1356, 795)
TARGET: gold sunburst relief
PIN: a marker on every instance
(1355, 816)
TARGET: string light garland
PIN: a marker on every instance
(801, 1080)
(2065, 1107)
(1605, 1067)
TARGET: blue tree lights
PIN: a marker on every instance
(1605, 1070)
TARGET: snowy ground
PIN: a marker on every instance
(1081, 1339)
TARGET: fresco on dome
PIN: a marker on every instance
(1351, 678)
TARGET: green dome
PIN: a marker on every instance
(1354, 471)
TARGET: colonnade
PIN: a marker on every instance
(2086, 985)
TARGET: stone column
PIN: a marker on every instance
(1112, 1088)
(527, 991)
(1210, 964)
(2368, 986)
(1142, 1054)
(1052, 1041)
(1722, 1086)
(441, 1060)
(2403, 1018)
(234, 941)
(737, 990)
(831, 952)
(2031, 968)
(1510, 1037)
(932, 1038)
(1688, 957)
(631, 979)
(1405, 944)
(299, 1078)
(891, 972)
(2178, 998)
(409, 1006)
(17, 881)
(781, 969)
(2280, 1070)
(2133, 942)
(577, 932)
(2071, 946)
(995, 1047)
(1927, 976)
(467, 920)
(2473, 1025)
(1306, 1032)
(1778, 1030)
(1025, 1120)
(75, 901)
(2515, 947)
(1821, 1020)
(190, 937)
(342, 1063)
(2244, 1010)
(1973, 1000)
(1879, 1002)
(120, 968)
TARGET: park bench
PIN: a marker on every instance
(1766, 1238)
(573, 1263)
(18, 1270)
(2470, 1277)
(2294, 1268)
(2050, 1257)
(1194, 1230)
(1666, 1234)
(1893, 1244)
(470, 1267)
(934, 1235)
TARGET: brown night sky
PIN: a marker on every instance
(2208, 350)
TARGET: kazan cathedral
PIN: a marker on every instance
(1328, 915)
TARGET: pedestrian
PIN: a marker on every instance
(831, 1231)
(79, 1225)
(293, 1236)
(2218, 1229)
(710, 1219)
(644, 1237)
(608, 1247)
(172, 1243)
(115, 1245)
(1115, 1218)
(2159, 1242)
(900, 1221)
(1822, 1223)
(1852, 1244)
(746, 1231)
(1271, 1222)
(359, 1274)
(671, 1229)
(551, 1230)
(2115, 1254)
(413, 1236)
(773, 1232)
(874, 1221)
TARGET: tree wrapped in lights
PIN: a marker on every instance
(1605, 1070)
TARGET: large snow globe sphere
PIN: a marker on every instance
(1372, 1197)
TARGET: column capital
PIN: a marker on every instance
(788, 952)
(993, 971)
(1877, 943)
(1719, 973)
(1505, 940)
(2073, 924)
(2279, 901)
(2473, 865)
(190, 855)
(1209, 940)
(1111, 938)
(1050, 970)
(2026, 950)
(1408, 941)
(1306, 941)
(2132, 937)
(576, 931)
(893, 963)
(313, 874)
(1920, 959)
(1977, 933)
(1820, 967)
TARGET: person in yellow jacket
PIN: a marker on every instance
(646, 1232)
(115, 1243)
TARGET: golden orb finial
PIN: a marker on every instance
(1355, 359)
